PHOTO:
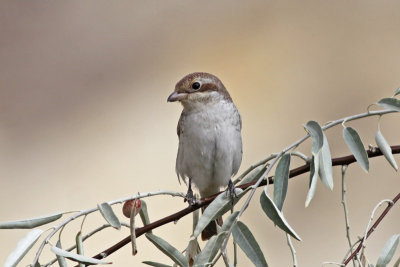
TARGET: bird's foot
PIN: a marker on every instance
(231, 191)
(189, 197)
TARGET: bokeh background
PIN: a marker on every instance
(84, 117)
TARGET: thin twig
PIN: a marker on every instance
(349, 251)
(252, 167)
(346, 160)
(346, 214)
(104, 226)
(235, 259)
(290, 244)
(300, 155)
(373, 227)
(216, 259)
(364, 240)
(332, 263)
(296, 144)
(226, 259)
(88, 211)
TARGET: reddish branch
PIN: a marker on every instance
(346, 160)
(373, 227)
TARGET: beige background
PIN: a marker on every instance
(84, 117)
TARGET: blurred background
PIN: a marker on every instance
(84, 117)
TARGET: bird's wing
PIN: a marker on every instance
(179, 157)
(179, 127)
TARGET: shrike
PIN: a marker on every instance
(210, 141)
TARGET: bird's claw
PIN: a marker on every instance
(189, 197)
(231, 191)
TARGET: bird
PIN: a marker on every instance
(210, 142)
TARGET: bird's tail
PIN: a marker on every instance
(211, 228)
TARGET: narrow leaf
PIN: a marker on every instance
(246, 241)
(356, 147)
(60, 259)
(31, 223)
(275, 215)
(397, 91)
(325, 165)
(167, 249)
(229, 222)
(75, 257)
(316, 134)
(79, 246)
(314, 167)
(192, 250)
(281, 180)
(388, 251)
(109, 215)
(254, 175)
(211, 249)
(221, 204)
(155, 264)
(385, 148)
(132, 230)
(390, 103)
(196, 215)
(23, 246)
(144, 214)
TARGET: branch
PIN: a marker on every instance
(373, 227)
(346, 160)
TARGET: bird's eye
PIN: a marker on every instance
(196, 85)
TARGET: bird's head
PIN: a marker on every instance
(199, 87)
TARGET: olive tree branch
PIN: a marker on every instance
(88, 211)
(346, 214)
(373, 227)
(346, 160)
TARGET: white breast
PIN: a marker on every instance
(210, 146)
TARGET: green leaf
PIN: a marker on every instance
(388, 251)
(281, 180)
(60, 259)
(196, 215)
(192, 250)
(325, 165)
(390, 103)
(356, 147)
(246, 241)
(314, 167)
(75, 257)
(23, 246)
(385, 149)
(254, 175)
(31, 223)
(397, 91)
(168, 250)
(275, 215)
(211, 249)
(316, 134)
(132, 230)
(79, 246)
(144, 214)
(155, 264)
(221, 204)
(109, 215)
(229, 222)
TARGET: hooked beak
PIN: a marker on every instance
(175, 96)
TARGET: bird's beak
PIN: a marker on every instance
(175, 96)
